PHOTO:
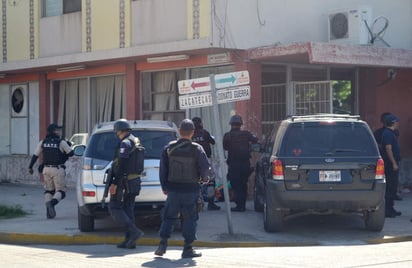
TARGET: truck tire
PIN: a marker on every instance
(86, 223)
(272, 217)
(375, 220)
(258, 195)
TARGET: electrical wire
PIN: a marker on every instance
(258, 14)
(377, 35)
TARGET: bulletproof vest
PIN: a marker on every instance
(239, 145)
(136, 157)
(183, 163)
(199, 137)
(51, 152)
(135, 161)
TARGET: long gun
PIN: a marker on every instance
(107, 180)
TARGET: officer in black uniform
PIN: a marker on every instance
(203, 137)
(182, 164)
(55, 152)
(237, 143)
(126, 183)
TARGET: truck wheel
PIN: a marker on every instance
(86, 223)
(272, 218)
(258, 195)
(375, 220)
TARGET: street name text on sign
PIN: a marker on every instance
(230, 87)
(222, 96)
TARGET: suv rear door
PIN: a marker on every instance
(329, 155)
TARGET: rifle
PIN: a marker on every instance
(107, 180)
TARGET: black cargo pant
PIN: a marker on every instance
(238, 175)
(392, 178)
(122, 205)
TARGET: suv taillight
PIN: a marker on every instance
(380, 170)
(277, 170)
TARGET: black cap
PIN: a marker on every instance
(187, 125)
(391, 118)
(52, 127)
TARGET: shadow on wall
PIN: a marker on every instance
(14, 169)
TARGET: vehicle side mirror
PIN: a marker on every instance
(79, 150)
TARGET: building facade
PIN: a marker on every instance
(80, 62)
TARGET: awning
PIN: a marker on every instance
(333, 54)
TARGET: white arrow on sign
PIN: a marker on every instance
(232, 79)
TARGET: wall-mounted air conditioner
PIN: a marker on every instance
(348, 26)
(19, 101)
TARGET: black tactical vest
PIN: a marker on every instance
(183, 163)
(239, 145)
(51, 152)
(136, 156)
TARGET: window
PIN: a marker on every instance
(160, 95)
(59, 7)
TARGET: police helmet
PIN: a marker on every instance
(53, 127)
(197, 121)
(236, 120)
(121, 125)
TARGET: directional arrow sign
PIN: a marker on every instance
(194, 85)
(232, 79)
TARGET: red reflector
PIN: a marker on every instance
(87, 193)
(380, 169)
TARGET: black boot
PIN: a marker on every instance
(161, 249)
(51, 212)
(131, 243)
(189, 252)
(212, 206)
(124, 242)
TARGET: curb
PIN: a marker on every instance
(58, 239)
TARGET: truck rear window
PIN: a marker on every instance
(102, 145)
(339, 139)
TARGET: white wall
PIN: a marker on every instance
(252, 23)
(60, 35)
(156, 21)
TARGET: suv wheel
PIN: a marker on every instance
(272, 218)
(86, 223)
(258, 197)
(375, 220)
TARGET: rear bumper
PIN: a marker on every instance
(141, 208)
(335, 200)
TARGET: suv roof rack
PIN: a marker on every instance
(325, 116)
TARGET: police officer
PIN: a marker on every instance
(55, 151)
(182, 164)
(237, 143)
(391, 157)
(203, 137)
(126, 183)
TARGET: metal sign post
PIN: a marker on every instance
(219, 144)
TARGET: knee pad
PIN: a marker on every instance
(63, 193)
(50, 192)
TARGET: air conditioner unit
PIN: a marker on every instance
(19, 101)
(349, 26)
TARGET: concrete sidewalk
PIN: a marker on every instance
(213, 228)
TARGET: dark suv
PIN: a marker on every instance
(326, 164)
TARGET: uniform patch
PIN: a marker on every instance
(122, 150)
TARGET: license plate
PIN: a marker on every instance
(329, 175)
